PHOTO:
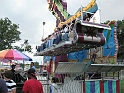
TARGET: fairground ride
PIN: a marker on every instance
(81, 49)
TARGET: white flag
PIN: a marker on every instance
(96, 17)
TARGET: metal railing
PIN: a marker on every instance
(121, 61)
(43, 78)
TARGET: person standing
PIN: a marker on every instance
(13, 72)
(32, 85)
(53, 87)
(32, 66)
(16, 77)
(11, 85)
(3, 87)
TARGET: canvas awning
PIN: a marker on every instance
(76, 67)
(104, 68)
(70, 67)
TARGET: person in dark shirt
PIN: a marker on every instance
(16, 77)
(3, 86)
(13, 72)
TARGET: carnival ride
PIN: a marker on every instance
(74, 30)
(76, 43)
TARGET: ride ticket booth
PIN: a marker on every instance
(88, 78)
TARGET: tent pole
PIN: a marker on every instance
(10, 63)
(23, 65)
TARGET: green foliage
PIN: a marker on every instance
(21, 65)
(120, 32)
(122, 85)
(8, 33)
(24, 47)
(36, 64)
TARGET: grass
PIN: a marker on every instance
(122, 86)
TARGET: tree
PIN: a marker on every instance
(21, 65)
(8, 33)
(120, 33)
(24, 47)
(36, 64)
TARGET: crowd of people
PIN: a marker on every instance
(8, 81)
(57, 37)
(60, 35)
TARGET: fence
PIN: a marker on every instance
(43, 78)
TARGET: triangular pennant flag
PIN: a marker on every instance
(96, 17)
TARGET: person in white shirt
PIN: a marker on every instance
(11, 85)
(53, 86)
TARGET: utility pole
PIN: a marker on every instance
(43, 29)
(23, 46)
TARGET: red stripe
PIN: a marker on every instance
(81, 37)
(83, 86)
(101, 87)
(118, 86)
(55, 7)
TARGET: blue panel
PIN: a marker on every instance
(80, 55)
(110, 86)
(47, 58)
(92, 86)
(109, 47)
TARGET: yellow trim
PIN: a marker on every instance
(78, 14)
(112, 22)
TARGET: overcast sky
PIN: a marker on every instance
(30, 14)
